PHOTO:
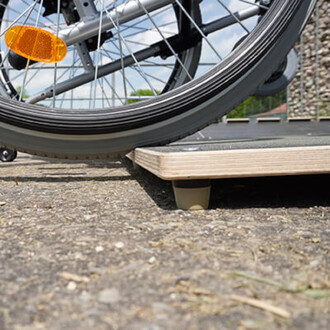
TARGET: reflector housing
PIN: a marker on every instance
(35, 44)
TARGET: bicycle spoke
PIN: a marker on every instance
(134, 58)
(165, 40)
(98, 53)
(117, 27)
(235, 17)
(127, 81)
(198, 28)
(114, 92)
(71, 76)
(28, 61)
(55, 66)
(30, 8)
(254, 4)
(41, 3)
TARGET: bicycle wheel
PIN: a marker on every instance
(189, 100)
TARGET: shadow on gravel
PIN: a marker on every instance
(14, 164)
(264, 192)
(273, 192)
(58, 171)
(59, 163)
(159, 191)
(98, 163)
(71, 178)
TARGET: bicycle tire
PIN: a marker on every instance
(178, 113)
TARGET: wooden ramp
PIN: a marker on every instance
(191, 164)
(220, 164)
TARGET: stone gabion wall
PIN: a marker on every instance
(309, 92)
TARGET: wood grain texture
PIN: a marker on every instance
(234, 163)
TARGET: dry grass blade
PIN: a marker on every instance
(259, 279)
(74, 277)
(304, 289)
(262, 305)
(317, 293)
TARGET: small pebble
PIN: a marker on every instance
(119, 245)
(71, 286)
(78, 255)
(314, 263)
(152, 260)
(99, 249)
(173, 296)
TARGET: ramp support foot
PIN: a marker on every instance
(192, 194)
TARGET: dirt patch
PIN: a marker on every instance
(98, 245)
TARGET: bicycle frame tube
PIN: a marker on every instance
(123, 13)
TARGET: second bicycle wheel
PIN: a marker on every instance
(92, 112)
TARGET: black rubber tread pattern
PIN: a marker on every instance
(163, 107)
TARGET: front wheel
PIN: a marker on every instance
(179, 111)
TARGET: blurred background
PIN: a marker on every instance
(308, 94)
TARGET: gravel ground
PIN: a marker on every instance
(98, 245)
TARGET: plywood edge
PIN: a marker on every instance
(261, 120)
(324, 118)
(299, 119)
(149, 160)
(237, 120)
(234, 163)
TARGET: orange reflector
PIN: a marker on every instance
(36, 44)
